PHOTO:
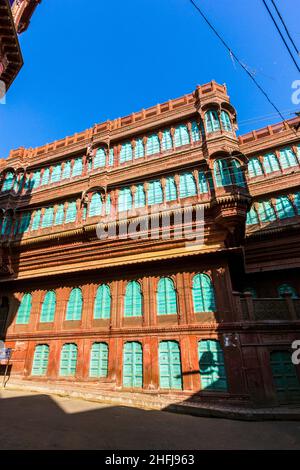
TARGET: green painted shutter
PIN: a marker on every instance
(284, 208)
(153, 146)
(36, 179)
(102, 304)
(126, 152)
(212, 366)
(99, 360)
(23, 315)
(125, 200)
(48, 217)
(166, 297)
(181, 136)
(133, 365)
(139, 149)
(195, 132)
(203, 185)
(170, 365)
(6, 225)
(56, 174)
(187, 185)
(100, 158)
(155, 193)
(68, 360)
(237, 173)
(254, 168)
(25, 222)
(8, 182)
(40, 360)
(48, 308)
(111, 157)
(67, 170)
(270, 163)
(45, 177)
(74, 308)
(286, 381)
(77, 167)
(133, 300)
(222, 173)
(36, 220)
(212, 122)
(203, 294)
(171, 190)
(108, 205)
(95, 205)
(287, 158)
(252, 217)
(166, 143)
(71, 212)
(139, 197)
(225, 120)
(60, 215)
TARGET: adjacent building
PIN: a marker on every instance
(157, 252)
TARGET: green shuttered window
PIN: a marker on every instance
(132, 365)
(68, 360)
(133, 300)
(6, 225)
(102, 303)
(187, 185)
(67, 170)
(195, 132)
(252, 217)
(125, 200)
(8, 182)
(25, 222)
(212, 365)
(23, 315)
(287, 158)
(100, 158)
(48, 217)
(56, 174)
(60, 215)
(287, 288)
(139, 197)
(203, 294)
(225, 120)
(126, 152)
(181, 136)
(71, 213)
(45, 177)
(166, 297)
(166, 143)
(170, 374)
(139, 151)
(77, 167)
(48, 308)
(155, 193)
(254, 168)
(74, 307)
(40, 360)
(36, 220)
(95, 205)
(212, 122)
(284, 208)
(99, 360)
(266, 211)
(270, 163)
(171, 190)
(152, 146)
(203, 185)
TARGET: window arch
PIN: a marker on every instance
(187, 185)
(203, 294)
(125, 199)
(226, 122)
(254, 167)
(74, 307)
(287, 288)
(155, 193)
(40, 360)
(287, 158)
(102, 305)
(48, 307)
(133, 300)
(181, 135)
(99, 360)
(284, 208)
(126, 152)
(153, 145)
(212, 365)
(166, 297)
(68, 360)
(95, 205)
(270, 162)
(212, 122)
(252, 217)
(222, 173)
(24, 310)
(8, 181)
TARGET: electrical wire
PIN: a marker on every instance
(285, 27)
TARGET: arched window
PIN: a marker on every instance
(102, 303)
(25, 222)
(68, 360)
(6, 225)
(212, 121)
(225, 120)
(222, 173)
(24, 310)
(195, 131)
(36, 220)
(252, 217)
(287, 158)
(203, 294)
(237, 173)
(181, 136)
(187, 185)
(125, 199)
(171, 190)
(126, 152)
(36, 179)
(95, 205)
(8, 182)
(56, 174)
(166, 143)
(71, 212)
(133, 300)
(254, 168)
(48, 307)
(48, 217)
(270, 163)
(139, 197)
(74, 307)
(203, 186)
(45, 177)
(77, 167)
(212, 365)
(40, 360)
(284, 208)
(266, 211)
(99, 360)
(18, 183)
(155, 193)
(166, 297)
(60, 215)
(152, 146)
(287, 288)
(66, 171)
(100, 158)
(139, 150)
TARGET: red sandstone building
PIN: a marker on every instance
(164, 310)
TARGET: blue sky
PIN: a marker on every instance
(89, 61)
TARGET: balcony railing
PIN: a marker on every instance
(267, 309)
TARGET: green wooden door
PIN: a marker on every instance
(170, 365)
(40, 360)
(68, 360)
(99, 360)
(211, 365)
(285, 377)
(133, 365)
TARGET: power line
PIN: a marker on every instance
(285, 27)
(237, 59)
(281, 35)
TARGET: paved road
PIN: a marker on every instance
(32, 421)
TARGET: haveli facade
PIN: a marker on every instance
(157, 252)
